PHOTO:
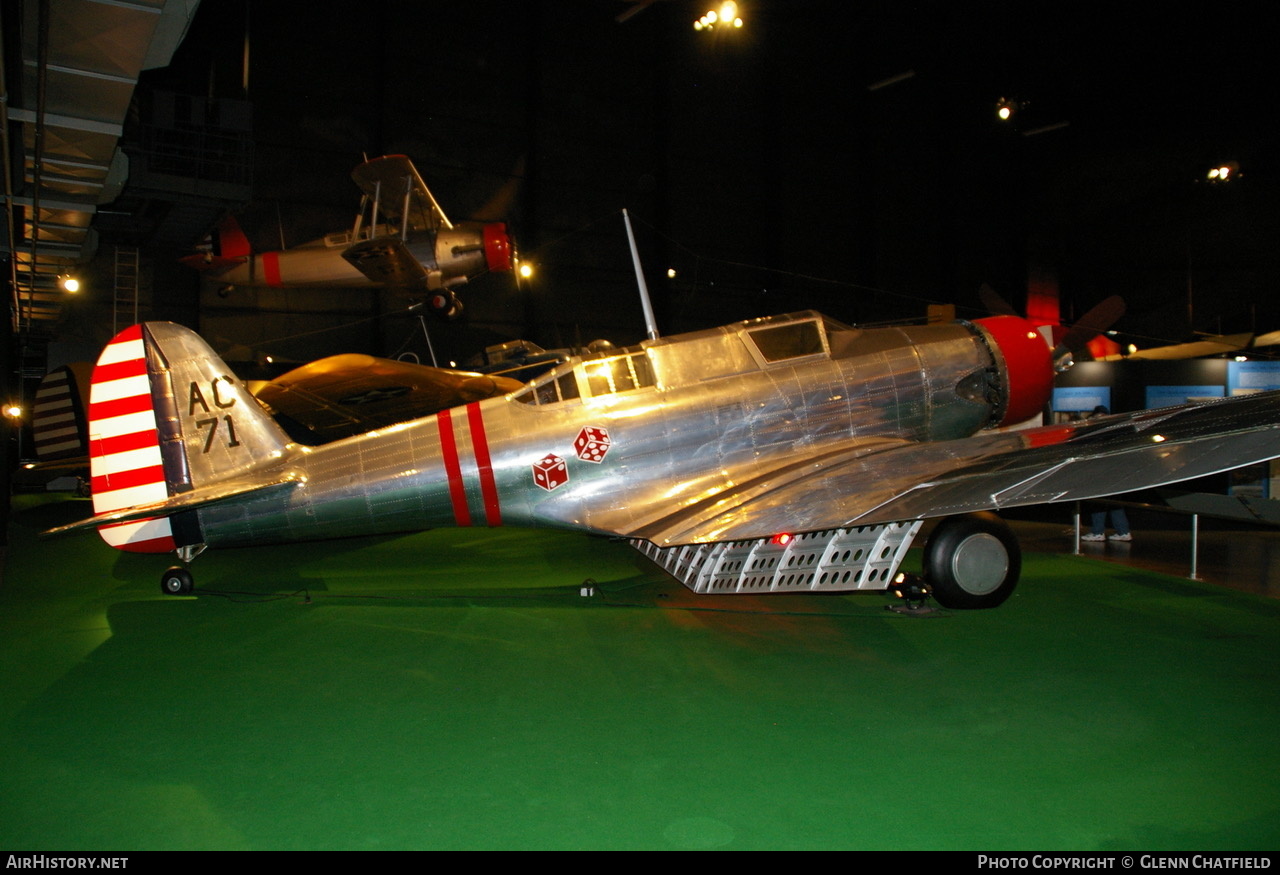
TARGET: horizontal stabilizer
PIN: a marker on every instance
(194, 500)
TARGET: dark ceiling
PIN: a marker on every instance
(838, 156)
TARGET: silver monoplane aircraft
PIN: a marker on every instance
(790, 453)
(400, 238)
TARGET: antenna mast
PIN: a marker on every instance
(650, 323)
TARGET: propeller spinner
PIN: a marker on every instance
(1027, 363)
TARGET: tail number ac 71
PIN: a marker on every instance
(197, 398)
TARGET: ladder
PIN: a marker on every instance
(127, 281)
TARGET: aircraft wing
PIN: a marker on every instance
(992, 470)
(1210, 346)
(387, 260)
(343, 395)
(395, 183)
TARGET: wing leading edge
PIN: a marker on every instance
(988, 471)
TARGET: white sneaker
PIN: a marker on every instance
(1124, 537)
(1093, 537)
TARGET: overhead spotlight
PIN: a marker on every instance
(725, 16)
(1008, 108)
(1224, 172)
(671, 273)
(526, 270)
(68, 283)
(13, 411)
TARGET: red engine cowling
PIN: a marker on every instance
(1025, 362)
(497, 246)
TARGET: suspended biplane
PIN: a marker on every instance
(400, 238)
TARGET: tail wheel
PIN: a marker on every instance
(972, 561)
(177, 581)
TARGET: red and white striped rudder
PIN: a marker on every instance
(124, 445)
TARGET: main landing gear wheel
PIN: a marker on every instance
(972, 561)
(177, 581)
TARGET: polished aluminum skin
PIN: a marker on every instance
(791, 424)
(687, 419)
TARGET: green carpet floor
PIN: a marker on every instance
(452, 689)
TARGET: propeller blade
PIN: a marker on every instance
(501, 205)
(996, 305)
(1091, 324)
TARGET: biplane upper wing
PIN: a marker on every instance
(349, 394)
(394, 182)
(896, 481)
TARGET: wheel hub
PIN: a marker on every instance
(980, 563)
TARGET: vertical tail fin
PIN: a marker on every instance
(232, 242)
(166, 417)
(58, 418)
(223, 248)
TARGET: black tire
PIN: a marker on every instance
(176, 581)
(972, 561)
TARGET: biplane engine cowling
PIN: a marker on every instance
(1025, 365)
(498, 247)
(466, 251)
